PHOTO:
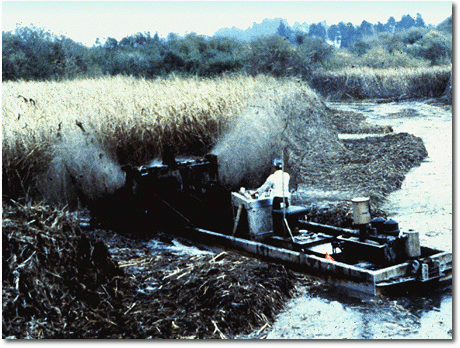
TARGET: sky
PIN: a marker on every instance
(85, 21)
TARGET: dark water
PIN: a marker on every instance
(424, 203)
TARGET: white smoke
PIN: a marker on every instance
(80, 168)
(245, 151)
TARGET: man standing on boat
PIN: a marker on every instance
(277, 184)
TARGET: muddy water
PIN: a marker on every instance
(424, 203)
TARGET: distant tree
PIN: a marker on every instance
(201, 55)
(365, 29)
(273, 55)
(172, 37)
(435, 46)
(445, 25)
(315, 51)
(405, 23)
(110, 43)
(379, 27)
(317, 30)
(360, 48)
(419, 22)
(411, 36)
(13, 60)
(125, 42)
(299, 37)
(391, 43)
(173, 61)
(348, 34)
(333, 32)
(31, 53)
(135, 40)
(75, 59)
(284, 31)
(226, 45)
(390, 25)
(37, 53)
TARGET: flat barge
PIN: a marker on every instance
(184, 197)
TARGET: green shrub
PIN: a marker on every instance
(411, 36)
(315, 50)
(378, 57)
(273, 55)
(339, 59)
(32, 53)
(277, 56)
(435, 46)
(445, 26)
(360, 48)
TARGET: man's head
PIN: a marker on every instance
(277, 163)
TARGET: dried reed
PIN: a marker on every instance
(85, 128)
(364, 82)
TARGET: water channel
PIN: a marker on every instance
(424, 203)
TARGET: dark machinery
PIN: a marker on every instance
(182, 191)
(184, 196)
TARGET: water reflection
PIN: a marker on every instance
(330, 313)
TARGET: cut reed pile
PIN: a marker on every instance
(370, 83)
(206, 295)
(59, 282)
(56, 283)
(373, 166)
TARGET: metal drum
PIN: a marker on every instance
(412, 244)
(361, 210)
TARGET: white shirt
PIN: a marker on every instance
(275, 183)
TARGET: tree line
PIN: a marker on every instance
(346, 33)
(31, 53)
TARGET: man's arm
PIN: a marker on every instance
(266, 186)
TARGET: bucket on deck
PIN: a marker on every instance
(361, 210)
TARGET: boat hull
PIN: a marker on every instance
(356, 279)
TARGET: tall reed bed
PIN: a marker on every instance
(58, 136)
(397, 83)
